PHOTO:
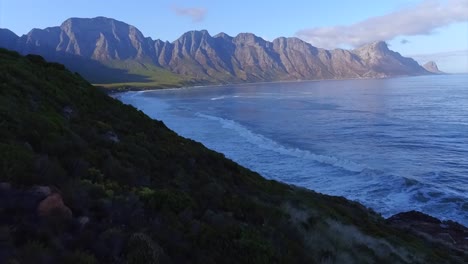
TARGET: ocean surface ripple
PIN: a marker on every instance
(392, 144)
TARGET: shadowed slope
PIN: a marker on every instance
(87, 179)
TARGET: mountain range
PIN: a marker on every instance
(109, 51)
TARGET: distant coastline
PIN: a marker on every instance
(156, 88)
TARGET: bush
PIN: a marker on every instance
(142, 249)
(36, 59)
(34, 252)
(171, 200)
(79, 257)
(254, 248)
(16, 163)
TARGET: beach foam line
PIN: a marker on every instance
(269, 144)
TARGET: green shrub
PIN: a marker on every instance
(142, 249)
(166, 199)
(34, 252)
(79, 257)
(254, 248)
(95, 175)
(16, 164)
(36, 59)
(145, 193)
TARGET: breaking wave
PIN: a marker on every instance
(269, 144)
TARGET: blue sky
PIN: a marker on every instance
(424, 29)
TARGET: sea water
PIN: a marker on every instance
(394, 145)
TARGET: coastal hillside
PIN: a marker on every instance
(115, 54)
(87, 179)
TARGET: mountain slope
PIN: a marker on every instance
(101, 49)
(87, 179)
(381, 60)
(8, 39)
(431, 66)
(198, 57)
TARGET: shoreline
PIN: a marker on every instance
(113, 91)
(155, 88)
(386, 216)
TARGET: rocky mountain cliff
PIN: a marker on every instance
(431, 66)
(198, 56)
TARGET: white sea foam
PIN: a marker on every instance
(224, 97)
(268, 144)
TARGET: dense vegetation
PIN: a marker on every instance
(135, 192)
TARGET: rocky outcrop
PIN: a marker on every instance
(447, 232)
(53, 205)
(40, 201)
(381, 61)
(431, 66)
(198, 56)
(31, 207)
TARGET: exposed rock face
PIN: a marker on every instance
(431, 66)
(99, 38)
(448, 232)
(301, 59)
(200, 56)
(382, 61)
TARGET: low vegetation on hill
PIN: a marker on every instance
(87, 179)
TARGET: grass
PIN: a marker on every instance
(154, 77)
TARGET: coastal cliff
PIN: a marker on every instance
(87, 179)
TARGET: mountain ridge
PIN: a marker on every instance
(198, 57)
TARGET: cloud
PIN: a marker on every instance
(404, 41)
(197, 14)
(421, 19)
(440, 55)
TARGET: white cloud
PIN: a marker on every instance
(421, 19)
(197, 14)
(441, 55)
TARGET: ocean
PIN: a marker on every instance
(394, 145)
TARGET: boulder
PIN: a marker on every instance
(53, 204)
(41, 191)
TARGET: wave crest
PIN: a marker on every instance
(269, 144)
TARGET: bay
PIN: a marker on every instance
(392, 144)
